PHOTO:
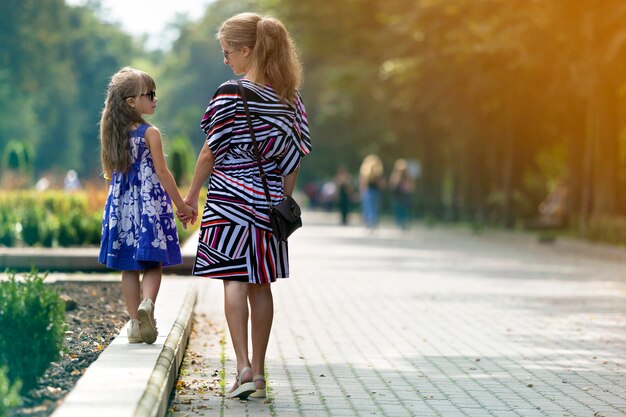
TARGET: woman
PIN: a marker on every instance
(371, 184)
(402, 187)
(236, 241)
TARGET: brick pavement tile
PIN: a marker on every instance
(342, 411)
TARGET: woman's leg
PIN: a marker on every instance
(366, 207)
(376, 206)
(131, 291)
(236, 310)
(262, 315)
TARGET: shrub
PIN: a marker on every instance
(31, 327)
(8, 233)
(32, 220)
(9, 394)
(48, 219)
(55, 218)
(181, 159)
(607, 229)
(17, 160)
(68, 232)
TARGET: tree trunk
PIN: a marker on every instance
(606, 150)
(432, 173)
(508, 163)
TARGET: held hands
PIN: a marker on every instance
(187, 214)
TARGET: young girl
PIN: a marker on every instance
(138, 227)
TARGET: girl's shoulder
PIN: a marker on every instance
(139, 129)
(151, 130)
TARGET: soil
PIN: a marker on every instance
(95, 314)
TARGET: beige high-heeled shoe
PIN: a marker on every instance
(259, 392)
(244, 389)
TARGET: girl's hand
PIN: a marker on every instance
(194, 214)
(183, 219)
(186, 214)
(193, 202)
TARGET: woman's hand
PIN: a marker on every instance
(184, 216)
(204, 166)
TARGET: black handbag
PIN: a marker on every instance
(285, 215)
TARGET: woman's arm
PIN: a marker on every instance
(289, 182)
(201, 173)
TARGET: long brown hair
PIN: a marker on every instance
(274, 54)
(118, 117)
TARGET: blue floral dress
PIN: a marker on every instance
(138, 226)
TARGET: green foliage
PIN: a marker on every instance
(48, 219)
(32, 221)
(181, 159)
(18, 156)
(462, 86)
(31, 327)
(607, 229)
(8, 221)
(191, 72)
(9, 393)
(52, 80)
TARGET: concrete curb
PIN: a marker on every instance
(70, 260)
(129, 380)
(155, 399)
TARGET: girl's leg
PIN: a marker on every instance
(151, 282)
(262, 313)
(131, 291)
(236, 310)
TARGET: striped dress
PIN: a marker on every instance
(236, 240)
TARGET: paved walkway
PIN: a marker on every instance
(437, 322)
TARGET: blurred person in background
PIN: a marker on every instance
(402, 188)
(371, 185)
(71, 181)
(345, 190)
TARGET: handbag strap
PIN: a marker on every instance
(254, 143)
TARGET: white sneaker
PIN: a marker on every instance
(147, 329)
(134, 336)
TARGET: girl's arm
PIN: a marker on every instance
(153, 140)
(201, 173)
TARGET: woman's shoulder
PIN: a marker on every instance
(228, 87)
(225, 95)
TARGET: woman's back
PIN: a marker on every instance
(281, 131)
